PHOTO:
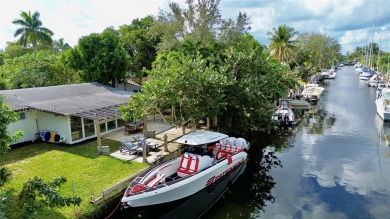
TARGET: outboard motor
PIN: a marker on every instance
(286, 119)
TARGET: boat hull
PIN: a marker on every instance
(187, 186)
(382, 111)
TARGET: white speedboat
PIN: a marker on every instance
(375, 81)
(284, 116)
(382, 103)
(208, 157)
(366, 75)
(332, 75)
(325, 74)
(311, 92)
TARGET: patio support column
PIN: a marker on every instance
(97, 124)
(166, 143)
(144, 153)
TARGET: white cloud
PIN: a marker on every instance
(73, 19)
(348, 20)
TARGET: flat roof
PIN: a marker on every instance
(84, 100)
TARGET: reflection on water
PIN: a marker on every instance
(316, 121)
(336, 166)
(253, 190)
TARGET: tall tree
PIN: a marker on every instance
(140, 44)
(188, 83)
(317, 51)
(60, 45)
(282, 43)
(201, 21)
(31, 30)
(100, 57)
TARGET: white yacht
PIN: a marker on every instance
(382, 103)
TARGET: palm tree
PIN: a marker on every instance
(282, 43)
(31, 30)
(60, 45)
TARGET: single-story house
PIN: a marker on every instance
(70, 110)
(130, 85)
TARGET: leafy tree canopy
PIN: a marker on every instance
(317, 51)
(39, 70)
(7, 116)
(37, 195)
(100, 57)
(140, 44)
(200, 22)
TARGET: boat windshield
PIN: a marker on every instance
(197, 149)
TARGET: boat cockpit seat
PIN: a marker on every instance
(159, 177)
(240, 142)
(189, 164)
(222, 150)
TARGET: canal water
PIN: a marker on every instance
(335, 164)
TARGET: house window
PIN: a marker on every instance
(75, 128)
(22, 116)
(102, 127)
(111, 125)
(89, 127)
(121, 123)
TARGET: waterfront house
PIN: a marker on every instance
(71, 110)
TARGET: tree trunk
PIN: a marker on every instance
(114, 82)
(173, 113)
(215, 121)
(193, 124)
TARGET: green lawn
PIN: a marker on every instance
(91, 172)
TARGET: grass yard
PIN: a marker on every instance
(91, 172)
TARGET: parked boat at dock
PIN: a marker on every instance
(382, 103)
(208, 156)
(284, 116)
(311, 92)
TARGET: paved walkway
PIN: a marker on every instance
(161, 129)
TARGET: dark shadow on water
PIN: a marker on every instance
(252, 191)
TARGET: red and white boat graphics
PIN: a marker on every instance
(209, 156)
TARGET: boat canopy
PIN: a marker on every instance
(201, 137)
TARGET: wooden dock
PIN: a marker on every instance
(296, 103)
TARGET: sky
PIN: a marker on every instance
(353, 23)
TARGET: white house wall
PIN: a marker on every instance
(128, 87)
(51, 122)
(27, 125)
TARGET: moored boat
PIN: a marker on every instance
(208, 156)
(382, 103)
(311, 92)
(284, 116)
